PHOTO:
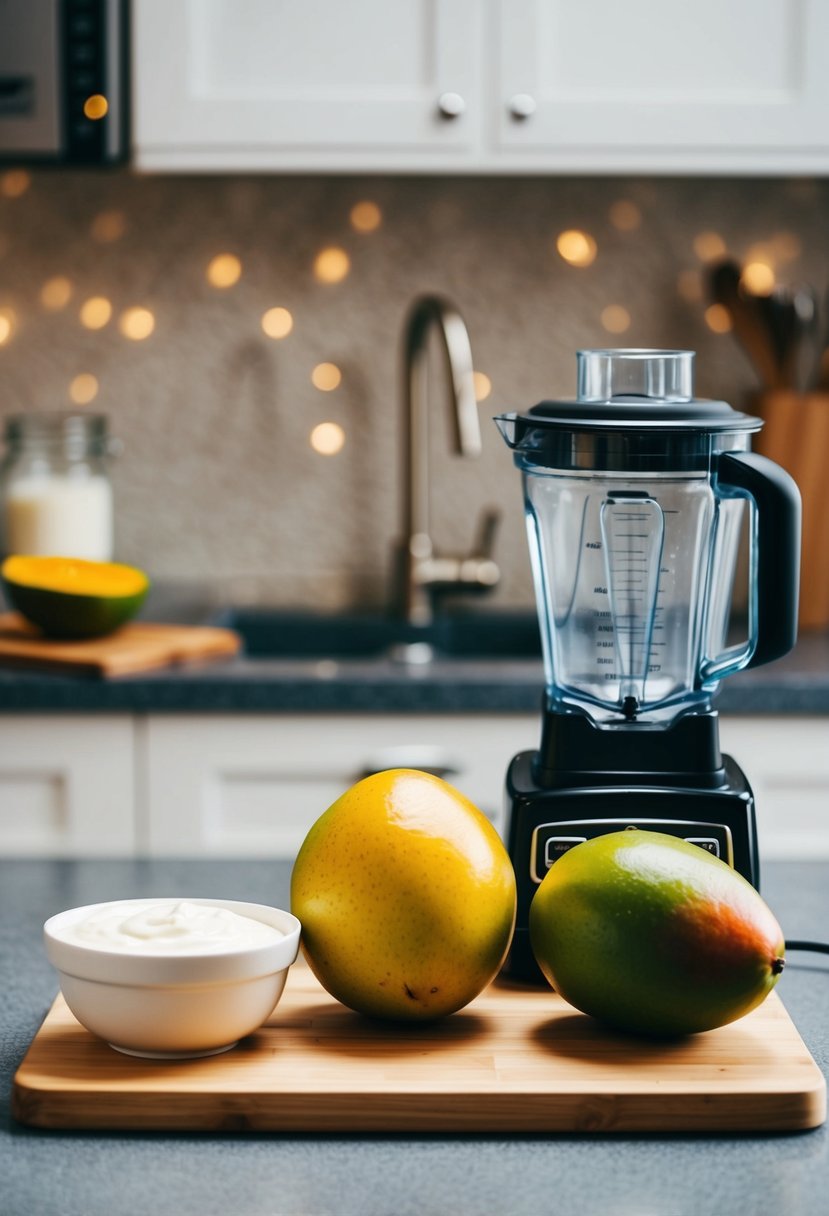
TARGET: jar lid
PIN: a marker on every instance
(55, 424)
(72, 433)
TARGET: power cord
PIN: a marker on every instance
(817, 947)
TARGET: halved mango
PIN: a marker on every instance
(70, 597)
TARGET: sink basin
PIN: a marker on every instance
(276, 634)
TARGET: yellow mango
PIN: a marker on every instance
(406, 896)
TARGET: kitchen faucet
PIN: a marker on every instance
(421, 572)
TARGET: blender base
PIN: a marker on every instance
(544, 822)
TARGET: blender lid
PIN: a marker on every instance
(700, 414)
(631, 389)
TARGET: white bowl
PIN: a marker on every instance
(172, 1004)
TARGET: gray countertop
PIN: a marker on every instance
(98, 1174)
(796, 684)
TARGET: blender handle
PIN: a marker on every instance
(776, 561)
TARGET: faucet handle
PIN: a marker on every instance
(487, 531)
(479, 571)
(476, 572)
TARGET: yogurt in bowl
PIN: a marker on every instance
(179, 927)
(172, 978)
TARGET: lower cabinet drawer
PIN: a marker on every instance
(249, 786)
(67, 786)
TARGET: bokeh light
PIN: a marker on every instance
(615, 319)
(277, 322)
(483, 385)
(83, 389)
(326, 377)
(108, 226)
(624, 215)
(7, 320)
(331, 265)
(136, 323)
(365, 216)
(708, 246)
(758, 278)
(14, 182)
(95, 312)
(56, 293)
(327, 438)
(576, 247)
(717, 319)
(224, 270)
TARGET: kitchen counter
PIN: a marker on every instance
(69, 1174)
(796, 684)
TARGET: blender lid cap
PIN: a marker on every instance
(636, 387)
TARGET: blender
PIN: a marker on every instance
(634, 495)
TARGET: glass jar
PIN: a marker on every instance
(55, 490)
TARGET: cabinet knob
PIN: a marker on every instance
(451, 105)
(521, 106)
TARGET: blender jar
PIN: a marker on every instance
(634, 496)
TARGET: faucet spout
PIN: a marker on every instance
(420, 571)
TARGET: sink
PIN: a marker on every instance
(276, 634)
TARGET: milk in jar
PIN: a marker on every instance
(56, 493)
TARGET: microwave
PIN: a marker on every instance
(63, 81)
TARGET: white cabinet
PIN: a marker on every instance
(716, 85)
(67, 786)
(257, 84)
(787, 764)
(482, 85)
(252, 786)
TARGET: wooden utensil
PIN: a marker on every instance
(793, 321)
(748, 322)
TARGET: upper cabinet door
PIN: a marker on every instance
(714, 85)
(293, 84)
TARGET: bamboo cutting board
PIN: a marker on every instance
(135, 647)
(515, 1060)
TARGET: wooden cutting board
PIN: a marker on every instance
(136, 646)
(515, 1060)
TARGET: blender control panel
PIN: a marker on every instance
(551, 840)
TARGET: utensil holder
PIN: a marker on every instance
(796, 436)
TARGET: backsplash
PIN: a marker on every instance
(238, 471)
